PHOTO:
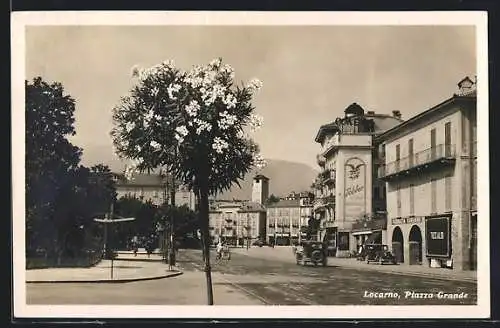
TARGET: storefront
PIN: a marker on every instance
(438, 239)
(369, 231)
(406, 239)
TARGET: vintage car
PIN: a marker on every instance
(378, 253)
(313, 252)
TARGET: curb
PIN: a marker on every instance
(106, 281)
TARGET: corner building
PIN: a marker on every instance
(430, 173)
(349, 199)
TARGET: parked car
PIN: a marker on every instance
(378, 253)
(259, 243)
(311, 252)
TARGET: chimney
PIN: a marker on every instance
(466, 85)
(396, 114)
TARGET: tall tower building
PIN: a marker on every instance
(260, 189)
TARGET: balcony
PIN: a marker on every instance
(328, 176)
(323, 202)
(431, 158)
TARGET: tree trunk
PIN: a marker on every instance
(206, 241)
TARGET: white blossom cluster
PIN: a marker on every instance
(192, 108)
(219, 145)
(173, 88)
(181, 133)
(256, 122)
(155, 144)
(254, 85)
(230, 101)
(209, 86)
(131, 169)
(227, 120)
(201, 126)
(259, 161)
(129, 126)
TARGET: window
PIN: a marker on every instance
(382, 151)
(412, 199)
(156, 194)
(410, 152)
(398, 195)
(447, 193)
(433, 196)
(376, 193)
(398, 156)
(447, 139)
(433, 143)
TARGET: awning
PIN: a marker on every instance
(374, 237)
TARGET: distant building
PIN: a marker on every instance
(431, 173)
(154, 188)
(240, 222)
(260, 189)
(287, 219)
(145, 187)
(237, 223)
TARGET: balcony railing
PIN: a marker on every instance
(328, 176)
(419, 159)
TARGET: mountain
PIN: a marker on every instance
(284, 177)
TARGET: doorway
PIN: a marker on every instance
(398, 245)
(415, 243)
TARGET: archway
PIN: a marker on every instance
(415, 243)
(398, 244)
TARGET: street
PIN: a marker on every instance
(246, 280)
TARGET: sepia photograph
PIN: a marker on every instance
(250, 165)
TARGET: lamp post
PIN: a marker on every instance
(248, 230)
(110, 218)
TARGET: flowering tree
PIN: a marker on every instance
(193, 123)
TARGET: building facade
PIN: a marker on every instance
(145, 187)
(154, 188)
(430, 174)
(347, 190)
(287, 219)
(241, 223)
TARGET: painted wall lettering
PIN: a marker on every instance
(354, 189)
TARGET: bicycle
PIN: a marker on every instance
(225, 255)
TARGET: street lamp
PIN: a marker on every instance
(110, 218)
(248, 230)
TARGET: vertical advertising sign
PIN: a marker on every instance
(354, 189)
(437, 233)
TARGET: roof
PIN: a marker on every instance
(383, 122)
(261, 176)
(252, 207)
(285, 203)
(139, 179)
(245, 206)
(431, 111)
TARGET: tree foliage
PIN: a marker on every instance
(61, 195)
(272, 199)
(199, 116)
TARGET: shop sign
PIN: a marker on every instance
(355, 188)
(410, 220)
(437, 232)
(343, 241)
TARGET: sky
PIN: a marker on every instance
(310, 74)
